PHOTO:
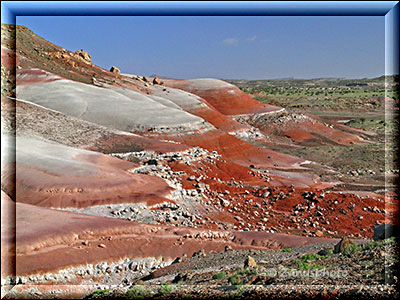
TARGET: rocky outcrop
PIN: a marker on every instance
(250, 262)
(84, 56)
(156, 80)
(115, 70)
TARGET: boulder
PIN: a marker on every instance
(200, 253)
(319, 233)
(250, 262)
(384, 231)
(156, 80)
(343, 244)
(323, 252)
(151, 162)
(84, 55)
(114, 69)
(225, 203)
(266, 194)
(228, 248)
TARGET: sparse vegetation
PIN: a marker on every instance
(101, 292)
(166, 288)
(235, 279)
(308, 257)
(325, 94)
(307, 266)
(351, 249)
(137, 292)
(219, 275)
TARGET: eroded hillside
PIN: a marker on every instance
(118, 175)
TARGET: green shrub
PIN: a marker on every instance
(234, 279)
(166, 288)
(351, 249)
(101, 292)
(287, 250)
(307, 266)
(219, 275)
(309, 256)
(137, 292)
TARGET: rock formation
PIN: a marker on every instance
(114, 69)
(84, 56)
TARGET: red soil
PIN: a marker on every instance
(214, 117)
(115, 143)
(298, 135)
(8, 58)
(49, 240)
(33, 76)
(277, 212)
(107, 183)
(308, 130)
(51, 291)
(52, 240)
(228, 100)
(7, 235)
(239, 151)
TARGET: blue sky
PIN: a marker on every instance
(224, 47)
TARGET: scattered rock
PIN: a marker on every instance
(228, 248)
(225, 203)
(343, 244)
(200, 253)
(152, 162)
(266, 194)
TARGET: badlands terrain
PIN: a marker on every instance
(125, 185)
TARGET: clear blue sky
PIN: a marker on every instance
(224, 47)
